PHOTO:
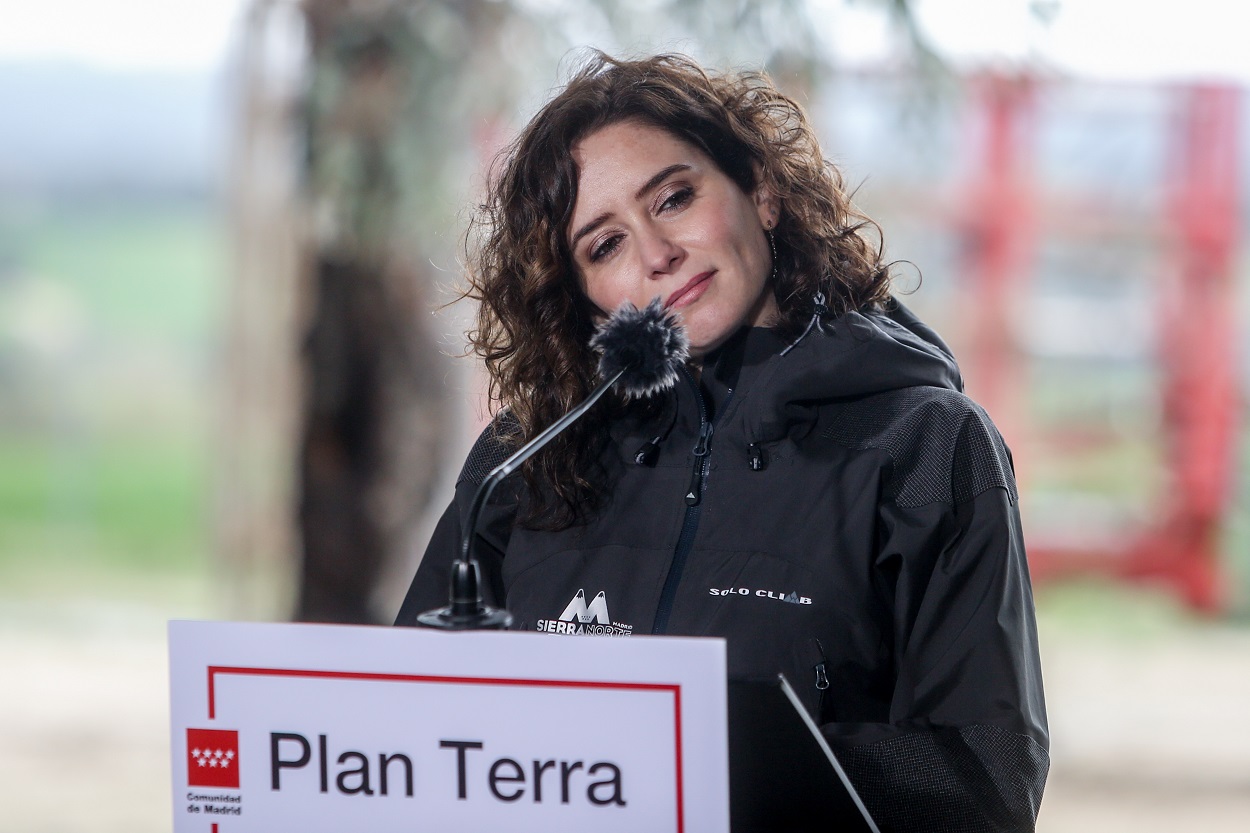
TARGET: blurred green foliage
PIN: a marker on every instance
(143, 269)
(128, 501)
(109, 311)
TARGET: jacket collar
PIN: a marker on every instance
(857, 354)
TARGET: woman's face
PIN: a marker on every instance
(656, 218)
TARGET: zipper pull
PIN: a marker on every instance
(648, 454)
(705, 440)
(701, 449)
(822, 678)
(695, 493)
(758, 459)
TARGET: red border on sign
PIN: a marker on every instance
(675, 690)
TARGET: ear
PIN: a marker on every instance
(767, 206)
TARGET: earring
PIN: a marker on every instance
(772, 244)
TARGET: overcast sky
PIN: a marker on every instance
(1136, 39)
(123, 34)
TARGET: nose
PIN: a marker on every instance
(660, 253)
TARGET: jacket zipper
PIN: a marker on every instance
(694, 502)
(822, 676)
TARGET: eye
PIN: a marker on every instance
(677, 199)
(604, 248)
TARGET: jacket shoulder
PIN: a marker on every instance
(942, 446)
(496, 442)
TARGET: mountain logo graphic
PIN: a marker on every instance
(579, 611)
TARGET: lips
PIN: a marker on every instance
(691, 292)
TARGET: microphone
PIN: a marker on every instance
(643, 350)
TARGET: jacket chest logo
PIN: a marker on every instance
(586, 619)
(789, 598)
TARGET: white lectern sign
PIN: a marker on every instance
(332, 728)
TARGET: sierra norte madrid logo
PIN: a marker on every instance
(212, 758)
(589, 619)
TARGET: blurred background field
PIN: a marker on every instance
(168, 229)
(112, 312)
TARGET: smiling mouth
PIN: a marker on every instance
(689, 293)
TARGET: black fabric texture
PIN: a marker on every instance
(925, 431)
(490, 449)
(973, 779)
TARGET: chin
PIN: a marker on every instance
(701, 347)
(707, 332)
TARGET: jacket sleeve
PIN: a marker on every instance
(965, 747)
(430, 585)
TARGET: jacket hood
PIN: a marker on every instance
(857, 354)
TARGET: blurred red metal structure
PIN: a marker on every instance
(1196, 332)
(999, 237)
(1197, 346)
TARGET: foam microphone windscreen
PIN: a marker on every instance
(649, 344)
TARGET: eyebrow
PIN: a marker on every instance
(639, 194)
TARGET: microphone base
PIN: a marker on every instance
(484, 619)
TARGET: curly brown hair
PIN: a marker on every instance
(534, 320)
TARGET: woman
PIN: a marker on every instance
(816, 490)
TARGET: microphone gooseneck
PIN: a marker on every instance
(643, 350)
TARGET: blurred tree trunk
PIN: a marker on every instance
(374, 409)
(373, 414)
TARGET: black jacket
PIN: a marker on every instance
(839, 512)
